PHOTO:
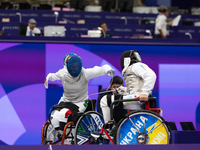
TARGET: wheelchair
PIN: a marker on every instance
(77, 132)
(144, 126)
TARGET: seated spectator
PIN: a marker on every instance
(31, 29)
(104, 27)
(100, 96)
(106, 100)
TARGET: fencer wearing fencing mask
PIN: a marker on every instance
(75, 78)
(128, 58)
(73, 63)
(139, 78)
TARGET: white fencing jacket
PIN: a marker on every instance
(76, 89)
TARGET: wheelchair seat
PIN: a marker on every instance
(91, 105)
(151, 105)
(82, 125)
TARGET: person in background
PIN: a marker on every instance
(106, 100)
(32, 30)
(104, 28)
(102, 93)
(29, 30)
(161, 23)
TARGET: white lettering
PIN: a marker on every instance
(130, 135)
(133, 130)
(143, 119)
(83, 29)
(74, 29)
(139, 30)
(126, 140)
(127, 30)
(123, 143)
(99, 122)
(183, 31)
(139, 124)
(71, 16)
(154, 142)
(161, 134)
(48, 15)
(92, 16)
(122, 30)
(158, 138)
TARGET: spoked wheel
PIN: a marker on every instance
(44, 133)
(143, 127)
(89, 122)
(48, 133)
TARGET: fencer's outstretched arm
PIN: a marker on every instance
(52, 77)
(98, 71)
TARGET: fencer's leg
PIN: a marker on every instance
(55, 119)
(51, 130)
(63, 117)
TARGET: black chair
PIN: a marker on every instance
(172, 125)
(24, 6)
(22, 29)
(108, 5)
(187, 23)
(91, 105)
(6, 5)
(45, 7)
(59, 5)
(187, 126)
(77, 4)
(125, 5)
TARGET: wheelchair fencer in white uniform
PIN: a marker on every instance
(75, 80)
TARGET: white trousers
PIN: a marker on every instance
(59, 116)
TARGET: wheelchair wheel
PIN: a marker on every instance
(48, 133)
(143, 127)
(89, 122)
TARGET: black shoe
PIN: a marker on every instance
(59, 136)
(97, 134)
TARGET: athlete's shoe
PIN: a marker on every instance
(59, 134)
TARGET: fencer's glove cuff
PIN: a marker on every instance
(46, 82)
(111, 72)
(121, 90)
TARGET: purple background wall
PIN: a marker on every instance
(25, 102)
